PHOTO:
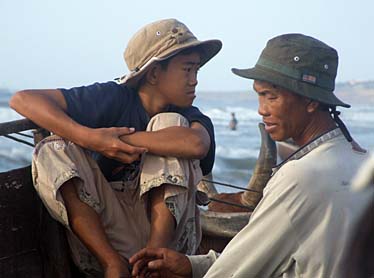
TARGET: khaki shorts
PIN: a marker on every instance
(120, 205)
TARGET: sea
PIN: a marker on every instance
(236, 151)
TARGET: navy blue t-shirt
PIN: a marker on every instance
(113, 105)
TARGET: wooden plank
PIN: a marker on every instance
(27, 264)
(32, 244)
(19, 218)
(16, 126)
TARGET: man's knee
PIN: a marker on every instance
(164, 120)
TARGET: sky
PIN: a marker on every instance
(54, 44)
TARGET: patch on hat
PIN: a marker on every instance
(309, 78)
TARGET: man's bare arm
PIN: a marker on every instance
(47, 108)
(185, 142)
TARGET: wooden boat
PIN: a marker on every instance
(32, 244)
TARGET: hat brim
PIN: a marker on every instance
(293, 85)
(207, 49)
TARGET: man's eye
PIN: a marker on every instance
(187, 69)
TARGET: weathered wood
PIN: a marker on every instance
(32, 244)
(54, 248)
(223, 224)
(266, 160)
(212, 242)
(19, 218)
(16, 126)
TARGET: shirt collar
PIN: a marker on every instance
(307, 148)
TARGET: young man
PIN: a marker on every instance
(307, 213)
(139, 190)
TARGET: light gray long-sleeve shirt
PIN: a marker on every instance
(301, 226)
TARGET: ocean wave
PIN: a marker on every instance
(360, 118)
(224, 114)
(233, 177)
(236, 163)
(14, 155)
(235, 152)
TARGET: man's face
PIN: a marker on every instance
(177, 82)
(283, 112)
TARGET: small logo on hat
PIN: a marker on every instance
(309, 78)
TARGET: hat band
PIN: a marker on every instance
(310, 78)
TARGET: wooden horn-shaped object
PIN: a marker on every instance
(267, 159)
(228, 224)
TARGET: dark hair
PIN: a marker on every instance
(324, 107)
(165, 63)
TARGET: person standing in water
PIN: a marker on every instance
(233, 122)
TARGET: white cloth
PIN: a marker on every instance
(302, 223)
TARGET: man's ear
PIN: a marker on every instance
(312, 106)
(152, 74)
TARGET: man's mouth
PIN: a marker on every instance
(269, 127)
(191, 94)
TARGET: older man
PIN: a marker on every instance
(306, 215)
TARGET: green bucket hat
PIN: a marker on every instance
(159, 41)
(300, 64)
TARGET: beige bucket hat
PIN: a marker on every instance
(159, 41)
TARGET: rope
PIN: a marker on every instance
(232, 186)
(23, 134)
(232, 204)
(335, 115)
(19, 140)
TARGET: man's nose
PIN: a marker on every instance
(192, 81)
(262, 108)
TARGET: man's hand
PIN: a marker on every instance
(107, 142)
(160, 262)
